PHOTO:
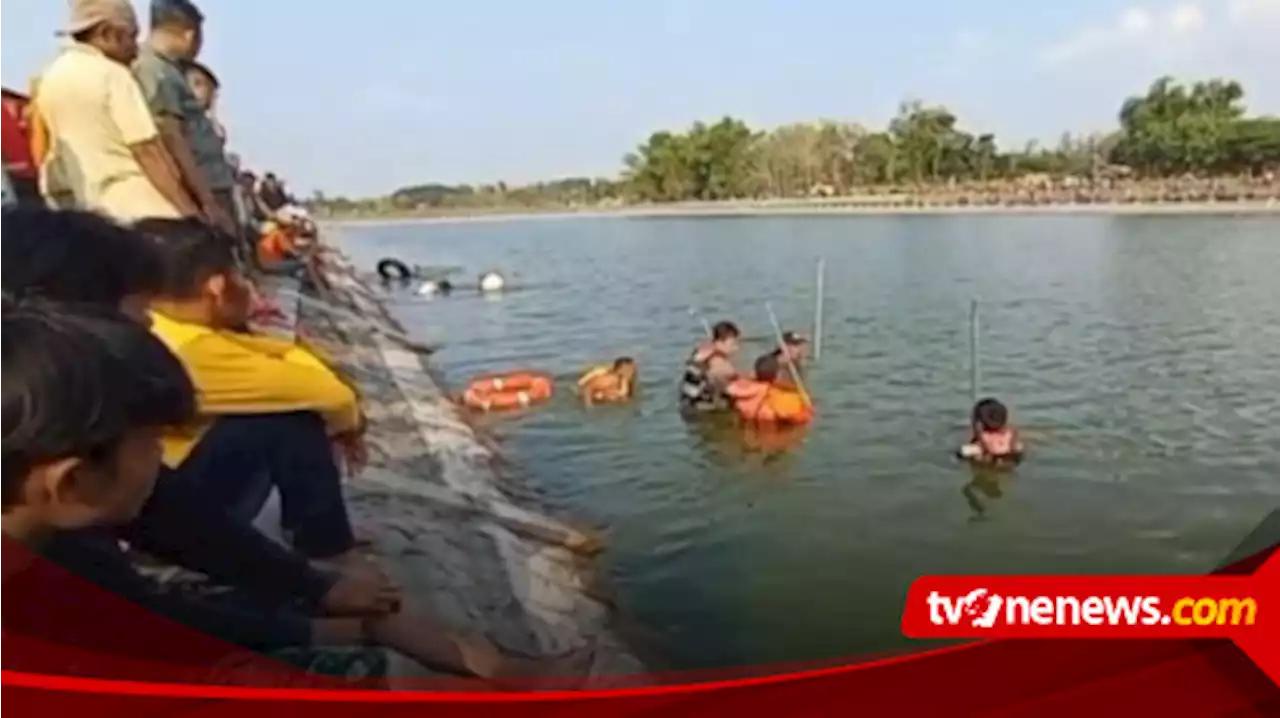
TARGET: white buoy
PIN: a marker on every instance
(492, 282)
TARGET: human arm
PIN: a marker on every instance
(128, 110)
(240, 374)
(179, 147)
(720, 371)
(740, 389)
(94, 556)
(587, 384)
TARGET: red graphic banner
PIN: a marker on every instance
(1191, 664)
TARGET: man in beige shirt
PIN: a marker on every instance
(105, 150)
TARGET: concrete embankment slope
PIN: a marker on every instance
(434, 502)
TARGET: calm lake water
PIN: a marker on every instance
(1141, 354)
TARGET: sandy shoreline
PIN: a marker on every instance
(1269, 207)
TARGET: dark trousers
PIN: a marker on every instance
(242, 457)
(246, 243)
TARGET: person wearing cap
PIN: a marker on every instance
(105, 151)
(205, 86)
(176, 38)
(797, 350)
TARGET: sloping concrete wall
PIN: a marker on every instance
(433, 500)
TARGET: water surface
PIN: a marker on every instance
(1141, 353)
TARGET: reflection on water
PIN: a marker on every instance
(985, 487)
(726, 441)
(1140, 356)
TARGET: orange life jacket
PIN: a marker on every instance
(768, 403)
(274, 245)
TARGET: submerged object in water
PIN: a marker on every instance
(492, 282)
(515, 390)
(391, 268)
(431, 288)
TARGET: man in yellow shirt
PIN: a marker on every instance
(270, 412)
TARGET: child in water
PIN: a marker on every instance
(993, 440)
(609, 384)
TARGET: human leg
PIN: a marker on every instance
(241, 457)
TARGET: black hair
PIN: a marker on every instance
(725, 330)
(767, 368)
(190, 252)
(76, 380)
(193, 66)
(990, 414)
(623, 361)
(72, 256)
(176, 13)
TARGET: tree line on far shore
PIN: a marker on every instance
(1172, 131)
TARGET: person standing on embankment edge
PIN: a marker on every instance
(205, 86)
(105, 152)
(176, 38)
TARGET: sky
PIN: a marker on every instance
(361, 99)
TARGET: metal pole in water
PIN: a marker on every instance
(974, 371)
(817, 310)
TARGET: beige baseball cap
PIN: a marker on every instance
(85, 14)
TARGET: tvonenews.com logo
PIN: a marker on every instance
(981, 608)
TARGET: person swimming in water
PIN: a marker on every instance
(609, 384)
(767, 399)
(709, 370)
(994, 440)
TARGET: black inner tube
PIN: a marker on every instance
(391, 268)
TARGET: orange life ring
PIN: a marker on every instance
(516, 390)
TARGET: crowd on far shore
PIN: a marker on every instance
(149, 411)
